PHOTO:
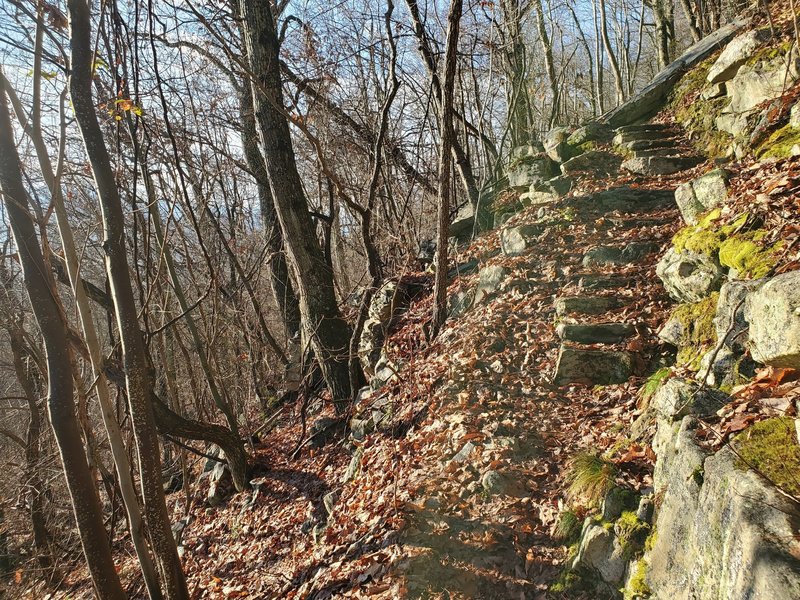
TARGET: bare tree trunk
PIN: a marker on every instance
(446, 129)
(322, 322)
(589, 58)
(549, 63)
(691, 18)
(61, 404)
(138, 377)
(663, 11)
(612, 57)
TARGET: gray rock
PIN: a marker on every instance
(688, 276)
(598, 162)
(593, 131)
(680, 397)
(464, 223)
(596, 333)
(661, 165)
(489, 280)
(773, 311)
(767, 79)
(617, 501)
(735, 54)
(645, 510)
(722, 532)
(178, 528)
(593, 367)
(528, 171)
(633, 200)
(641, 133)
(220, 483)
(496, 483)
(459, 303)
(733, 294)
(527, 150)
(716, 90)
(702, 194)
(673, 332)
(556, 146)
(518, 240)
(602, 255)
(463, 455)
(329, 501)
(597, 552)
(324, 430)
(354, 467)
(794, 116)
(586, 305)
(213, 453)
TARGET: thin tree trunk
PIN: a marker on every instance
(138, 377)
(612, 57)
(61, 403)
(549, 63)
(322, 322)
(446, 127)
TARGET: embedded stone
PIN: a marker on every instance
(689, 276)
(773, 312)
(593, 367)
(587, 305)
(595, 333)
(735, 54)
(518, 240)
(489, 280)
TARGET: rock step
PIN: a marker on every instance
(603, 282)
(586, 305)
(592, 367)
(595, 161)
(633, 200)
(667, 142)
(595, 333)
(618, 255)
(639, 136)
(644, 127)
(661, 165)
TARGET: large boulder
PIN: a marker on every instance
(702, 194)
(598, 162)
(773, 312)
(489, 280)
(528, 169)
(593, 131)
(598, 552)
(518, 240)
(722, 532)
(735, 54)
(688, 276)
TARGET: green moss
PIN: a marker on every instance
(698, 330)
(590, 477)
(571, 582)
(698, 475)
(769, 52)
(779, 144)
(631, 533)
(654, 382)
(650, 542)
(698, 115)
(587, 146)
(751, 259)
(707, 236)
(771, 447)
(637, 585)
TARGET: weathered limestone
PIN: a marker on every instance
(702, 194)
(593, 131)
(735, 54)
(680, 397)
(614, 255)
(587, 305)
(528, 168)
(593, 367)
(773, 312)
(556, 145)
(688, 276)
(595, 333)
(598, 552)
(732, 297)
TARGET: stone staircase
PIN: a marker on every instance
(655, 149)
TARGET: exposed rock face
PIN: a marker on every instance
(529, 169)
(773, 312)
(599, 553)
(594, 367)
(660, 165)
(596, 333)
(702, 194)
(732, 297)
(735, 54)
(721, 532)
(688, 276)
(762, 81)
(593, 131)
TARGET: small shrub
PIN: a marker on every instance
(591, 477)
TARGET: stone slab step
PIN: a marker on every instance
(595, 333)
(647, 135)
(594, 161)
(586, 305)
(666, 152)
(618, 255)
(592, 367)
(603, 282)
(667, 142)
(661, 165)
(633, 200)
(644, 127)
